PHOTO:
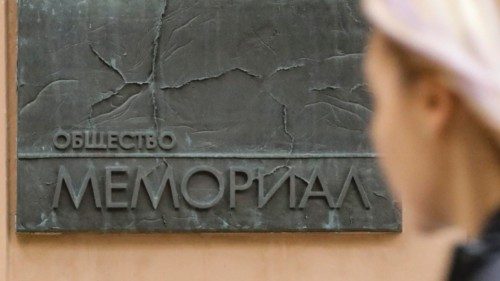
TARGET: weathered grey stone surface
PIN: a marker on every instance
(263, 86)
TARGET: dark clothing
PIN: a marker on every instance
(479, 260)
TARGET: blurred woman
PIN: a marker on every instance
(434, 69)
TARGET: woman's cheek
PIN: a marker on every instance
(387, 142)
(380, 131)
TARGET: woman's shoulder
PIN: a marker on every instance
(490, 271)
(477, 261)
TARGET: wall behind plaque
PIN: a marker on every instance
(195, 256)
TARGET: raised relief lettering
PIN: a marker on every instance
(76, 195)
(316, 193)
(111, 186)
(114, 183)
(264, 198)
(113, 140)
(150, 141)
(203, 204)
(77, 138)
(234, 187)
(126, 141)
(353, 177)
(61, 140)
(166, 140)
(94, 141)
(155, 196)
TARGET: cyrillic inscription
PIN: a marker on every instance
(155, 194)
(113, 140)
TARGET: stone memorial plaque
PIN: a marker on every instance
(207, 115)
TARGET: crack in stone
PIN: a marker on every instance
(264, 43)
(155, 111)
(112, 93)
(284, 118)
(355, 104)
(109, 95)
(273, 171)
(89, 118)
(210, 131)
(332, 109)
(182, 26)
(379, 195)
(336, 125)
(220, 75)
(43, 90)
(286, 166)
(173, 50)
(285, 128)
(108, 64)
(351, 13)
(156, 42)
(151, 81)
(334, 88)
(154, 62)
(287, 68)
(357, 86)
(152, 220)
(125, 106)
(354, 55)
(181, 9)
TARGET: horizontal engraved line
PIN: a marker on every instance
(198, 155)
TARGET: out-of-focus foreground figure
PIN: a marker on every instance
(434, 69)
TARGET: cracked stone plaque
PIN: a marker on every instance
(206, 116)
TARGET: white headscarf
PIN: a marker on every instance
(461, 35)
